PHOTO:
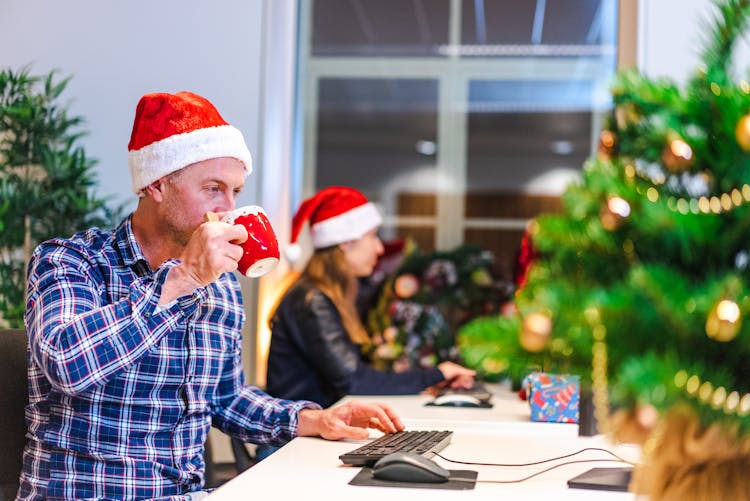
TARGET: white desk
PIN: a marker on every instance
(310, 468)
(507, 409)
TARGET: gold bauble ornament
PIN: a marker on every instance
(535, 332)
(677, 156)
(742, 133)
(607, 144)
(614, 213)
(389, 334)
(724, 321)
(406, 286)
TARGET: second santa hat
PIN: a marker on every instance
(336, 214)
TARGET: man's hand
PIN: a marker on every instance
(349, 420)
(213, 248)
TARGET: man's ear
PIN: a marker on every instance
(155, 190)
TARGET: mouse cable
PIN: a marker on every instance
(536, 474)
(615, 456)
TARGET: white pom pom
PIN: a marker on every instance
(293, 252)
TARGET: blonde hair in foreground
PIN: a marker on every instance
(686, 461)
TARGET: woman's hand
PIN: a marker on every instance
(457, 375)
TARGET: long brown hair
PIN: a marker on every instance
(329, 272)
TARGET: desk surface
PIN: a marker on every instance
(310, 467)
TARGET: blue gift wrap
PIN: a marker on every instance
(553, 397)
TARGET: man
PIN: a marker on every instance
(134, 334)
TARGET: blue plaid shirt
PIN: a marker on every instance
(121, 393)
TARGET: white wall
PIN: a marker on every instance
(672, 35)
(118, 51)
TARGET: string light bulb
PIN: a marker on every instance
(724, 321)
(677, 156)
(614, 212)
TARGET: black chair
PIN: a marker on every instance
(218, 473)
(13, 399)
(242, 456)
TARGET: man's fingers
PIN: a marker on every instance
(214, 249)
(240, 234)
(386, 419)
(232, 233)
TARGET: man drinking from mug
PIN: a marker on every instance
(134, 333)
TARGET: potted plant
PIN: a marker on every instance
(46, 180)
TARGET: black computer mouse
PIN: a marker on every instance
(409, 467)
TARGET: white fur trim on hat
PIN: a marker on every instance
(350, 225)
(171, 154)
(293, 252)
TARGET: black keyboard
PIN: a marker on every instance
(426, 443)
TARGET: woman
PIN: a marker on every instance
(317, 337)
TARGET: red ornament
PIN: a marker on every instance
(526, 256)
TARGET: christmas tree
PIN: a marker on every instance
(641, 284)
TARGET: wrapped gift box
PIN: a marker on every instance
(553, 397)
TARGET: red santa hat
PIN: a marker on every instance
(336, 214)
(172, 131)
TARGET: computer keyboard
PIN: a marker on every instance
(426, 443)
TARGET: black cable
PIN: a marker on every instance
(519, 480)
(617, 458)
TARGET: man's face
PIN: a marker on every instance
(210, 185)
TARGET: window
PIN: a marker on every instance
(462, 119)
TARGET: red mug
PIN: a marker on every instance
(261, 249)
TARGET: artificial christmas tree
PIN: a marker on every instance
(644, 277)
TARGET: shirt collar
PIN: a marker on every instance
(131, 253)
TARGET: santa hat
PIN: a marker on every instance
(172, 131)
(336, 214)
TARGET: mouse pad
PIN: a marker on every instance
(364, 477)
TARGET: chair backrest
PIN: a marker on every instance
(13, 399)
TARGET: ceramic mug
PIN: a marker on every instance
(261, 249)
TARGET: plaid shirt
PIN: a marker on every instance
(121, 393)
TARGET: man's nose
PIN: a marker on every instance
(228, 202)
